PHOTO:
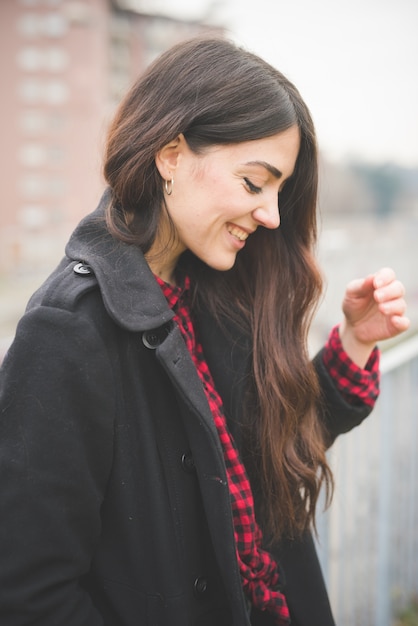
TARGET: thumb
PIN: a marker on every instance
(360, 287)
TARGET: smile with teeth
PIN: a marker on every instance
(236, 232)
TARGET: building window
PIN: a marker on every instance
(55, 92)
(30, 25)
(33, 59)
(56, 187)
(36, 91)
(33, 122)
(32, 186)
(30, 59)
(31, 90)
(57, 121)
(55, 155)
(32, 216)
(32, 154)
(54, 25)
(55, 59)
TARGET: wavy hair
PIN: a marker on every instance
(215, 92)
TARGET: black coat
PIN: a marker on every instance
(115, 503)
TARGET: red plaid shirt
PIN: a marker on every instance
(259, 571)
(358, 386)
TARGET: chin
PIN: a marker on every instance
(221, 267)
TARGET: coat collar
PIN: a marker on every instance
(129, 290)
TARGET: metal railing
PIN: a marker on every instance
(368, 539)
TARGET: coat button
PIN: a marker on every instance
(82, 269)
(151, 339)
(187, 463)
(155, 337)
(200, 587)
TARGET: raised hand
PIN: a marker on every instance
(374, 309)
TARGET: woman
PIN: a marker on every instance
(163, 430)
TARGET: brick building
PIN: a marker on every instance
(64, 65)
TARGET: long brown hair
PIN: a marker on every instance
(214, 92)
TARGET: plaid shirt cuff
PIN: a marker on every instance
(357, 386)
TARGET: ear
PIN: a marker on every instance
(167, 159)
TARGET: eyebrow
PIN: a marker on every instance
(273, 170)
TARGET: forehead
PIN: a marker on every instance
(278, 152)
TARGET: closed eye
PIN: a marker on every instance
(251, 187)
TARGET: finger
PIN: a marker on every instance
(391, 291)
(400, 322)
(383, 277)
(360, 287)
(393, 307)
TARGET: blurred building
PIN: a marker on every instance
(64, 65)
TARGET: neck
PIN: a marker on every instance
(162, 259)
(167, 277)
(162, 268)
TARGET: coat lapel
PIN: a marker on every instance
(208, 458)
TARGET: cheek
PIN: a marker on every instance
(210, 178)
(207, 196)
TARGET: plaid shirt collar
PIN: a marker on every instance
(259, 571)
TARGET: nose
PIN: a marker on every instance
(268, 215)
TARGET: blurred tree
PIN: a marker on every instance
(385, 183)
(355, 189)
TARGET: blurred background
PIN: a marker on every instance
(65, 65)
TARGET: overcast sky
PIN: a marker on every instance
(355, 63)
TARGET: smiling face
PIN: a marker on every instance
(221, 197)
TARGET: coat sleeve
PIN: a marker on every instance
(337, 415)
(56, 437)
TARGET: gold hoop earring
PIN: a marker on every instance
(168, 185)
